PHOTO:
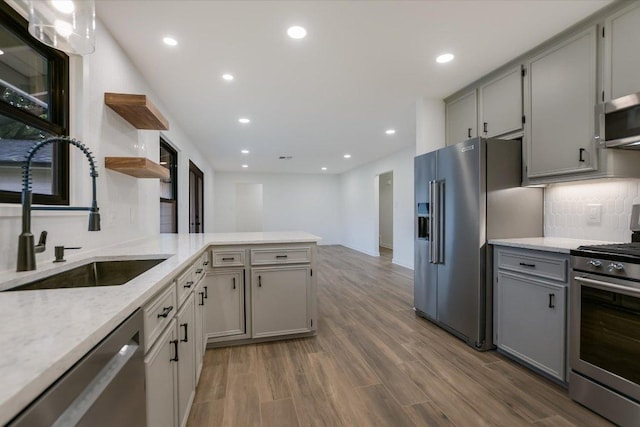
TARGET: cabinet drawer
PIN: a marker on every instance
(227, 258)
(534, 264)
(198, 269)
(185, 283)
(280, 256)
(158, 313)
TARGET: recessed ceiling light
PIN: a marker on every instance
(170, 41)
(347, 156)
(227, 77)
(244, 120)
(390, 131)
(245, 166)
(445, 57)
(296, 32)
(324, 169)
(64, 6)
(245, 151)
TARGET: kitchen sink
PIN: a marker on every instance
(98, 273)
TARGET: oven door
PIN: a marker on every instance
(605, 331)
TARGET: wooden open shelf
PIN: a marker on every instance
(137, 110)
(140, 167)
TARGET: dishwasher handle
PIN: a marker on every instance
(85, 400)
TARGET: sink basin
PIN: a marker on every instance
(99, 273)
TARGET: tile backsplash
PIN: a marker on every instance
(566, 212)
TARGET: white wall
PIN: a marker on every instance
(565, 209)
(359, 196)
(129, 206)
(386, 210)
(248, 207)
(290, 202)
(430, 125)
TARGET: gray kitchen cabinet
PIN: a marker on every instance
(461, 116)
(225, 313)
(161, 379)
(560, 95)
(621, 54)
(201, 299)
(281, 300)
(530, 308)
(501, 104)
(186, 358)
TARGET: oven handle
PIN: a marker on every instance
(607, 285)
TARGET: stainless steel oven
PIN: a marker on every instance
(605, 335)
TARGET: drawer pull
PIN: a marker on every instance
(281, 256)
(186, 332)
(228, 259)
(175, 343)
(552, 300)
(524, 264)
(188, 284)
(199, 271)
(165, 312)
(202, 297)
(205, 263)
(233, 279)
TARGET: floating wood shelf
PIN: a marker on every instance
(140, 167)
(137, 110)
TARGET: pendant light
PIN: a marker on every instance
(66, 25)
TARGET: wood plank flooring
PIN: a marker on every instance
(374, 363)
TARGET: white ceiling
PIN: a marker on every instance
(358, 72)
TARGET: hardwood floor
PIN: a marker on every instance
(374, 363)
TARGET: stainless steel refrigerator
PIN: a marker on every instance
(466, 194)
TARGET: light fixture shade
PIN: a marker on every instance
(66, 25)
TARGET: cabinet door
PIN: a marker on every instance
(531, 322)
(280, 300)
(622, 56)
(186, 358)
(461, 118)
(201, 292)
(225, 303)
(561, 96)
(160, 380)
(501, 105)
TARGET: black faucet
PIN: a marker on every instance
(26, 247)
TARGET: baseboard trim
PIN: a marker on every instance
(364, 251)
(393, 261)
(386, 246)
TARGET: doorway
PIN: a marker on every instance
(385, 214)
(196, 199)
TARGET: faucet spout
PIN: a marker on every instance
(26, 245)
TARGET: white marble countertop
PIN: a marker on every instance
(44, 332)
(549, 244)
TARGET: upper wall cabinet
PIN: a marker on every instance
(559, 107)
(501, 104)
(461, 118)
(621, 53)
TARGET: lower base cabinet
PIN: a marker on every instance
(201, 298)
(186, 359)
(225, 315)
(280, 300)
(161, 378)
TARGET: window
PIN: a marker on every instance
(34, 105)
(169, 189)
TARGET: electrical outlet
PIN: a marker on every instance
(594, 213)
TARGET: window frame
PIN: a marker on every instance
(164, 144)
(58, 70)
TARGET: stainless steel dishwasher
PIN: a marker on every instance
(105, 388)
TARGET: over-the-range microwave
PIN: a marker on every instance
(618, 122)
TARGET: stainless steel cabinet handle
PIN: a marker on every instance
(165, 312)
(552, 300)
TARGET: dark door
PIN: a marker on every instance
(196, 199)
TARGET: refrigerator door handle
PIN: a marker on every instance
(441, 219)
(435, 239)
(432, 222)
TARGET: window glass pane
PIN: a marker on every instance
(16, 139)
(167, 160)
(24, 79)
(168, 217)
